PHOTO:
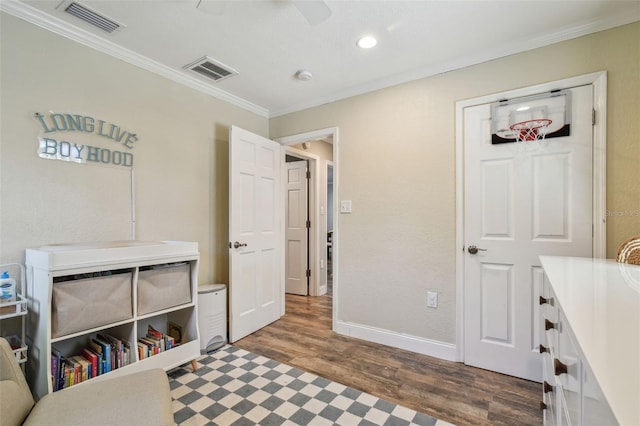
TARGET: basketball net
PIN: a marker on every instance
(530, 130)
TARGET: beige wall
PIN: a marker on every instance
(397, 163)
(181, 157)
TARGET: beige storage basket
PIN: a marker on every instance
(82, 304)
(163, 286)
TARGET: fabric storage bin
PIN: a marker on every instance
(84, 303)
(163, 286)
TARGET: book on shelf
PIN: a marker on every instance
(154, 343)
(169, 341)
(127, 353)
(115, 359)
(77, 370)
(143, 350)
(92, 357)
(69, 374)
(106, 353)
(82, 368)
(56, 365)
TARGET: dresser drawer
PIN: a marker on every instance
(568, 370)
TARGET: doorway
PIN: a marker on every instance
(317, 155)
(320, 148)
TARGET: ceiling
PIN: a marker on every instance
(267, 41)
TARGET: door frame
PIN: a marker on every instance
(330, 132)
(599, 82)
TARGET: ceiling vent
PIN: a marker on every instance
(91, 17)
(211, 69)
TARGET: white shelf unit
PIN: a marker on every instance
(146, 283)
(16, 309)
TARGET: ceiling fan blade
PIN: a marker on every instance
(213, 7)
(314, 11)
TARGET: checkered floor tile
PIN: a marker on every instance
(236, 387)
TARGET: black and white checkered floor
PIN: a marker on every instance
(236, 387)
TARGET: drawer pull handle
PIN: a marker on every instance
(543, 300)
(543, 349)
(559, 367)
(546, 387)
(543, 406)
(548, 325)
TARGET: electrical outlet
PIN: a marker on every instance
(432, 299)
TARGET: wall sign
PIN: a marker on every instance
(58, 129)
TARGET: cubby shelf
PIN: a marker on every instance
(113, 288)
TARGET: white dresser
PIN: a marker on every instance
(590, 309)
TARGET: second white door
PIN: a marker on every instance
(297, 231)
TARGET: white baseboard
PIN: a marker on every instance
(434, 348)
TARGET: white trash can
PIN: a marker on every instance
(212, 317)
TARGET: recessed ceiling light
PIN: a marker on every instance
(523, 108)
(367, 42)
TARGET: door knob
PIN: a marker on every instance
(474, 249)
(238, 244)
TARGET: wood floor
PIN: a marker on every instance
(447, 390)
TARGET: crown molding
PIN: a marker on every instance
(60, 27)
(508, 48)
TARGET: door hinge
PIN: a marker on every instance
(593, 117)
(308, 174)
(308, 224)
(308, 273)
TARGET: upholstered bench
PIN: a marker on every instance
(141, 398)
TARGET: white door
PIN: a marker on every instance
(297, 235)
(520, 204)
(255, 233)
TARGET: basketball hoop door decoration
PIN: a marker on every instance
(530, 120)
(530, 130)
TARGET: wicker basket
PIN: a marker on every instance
(629, 251)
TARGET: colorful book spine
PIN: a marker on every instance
(92, 357)
(56, 363)
(106, 353)
(69, 374)
(97, 349)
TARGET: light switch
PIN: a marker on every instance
(432, 299)
(345, 206)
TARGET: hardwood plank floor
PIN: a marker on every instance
(447, 390)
